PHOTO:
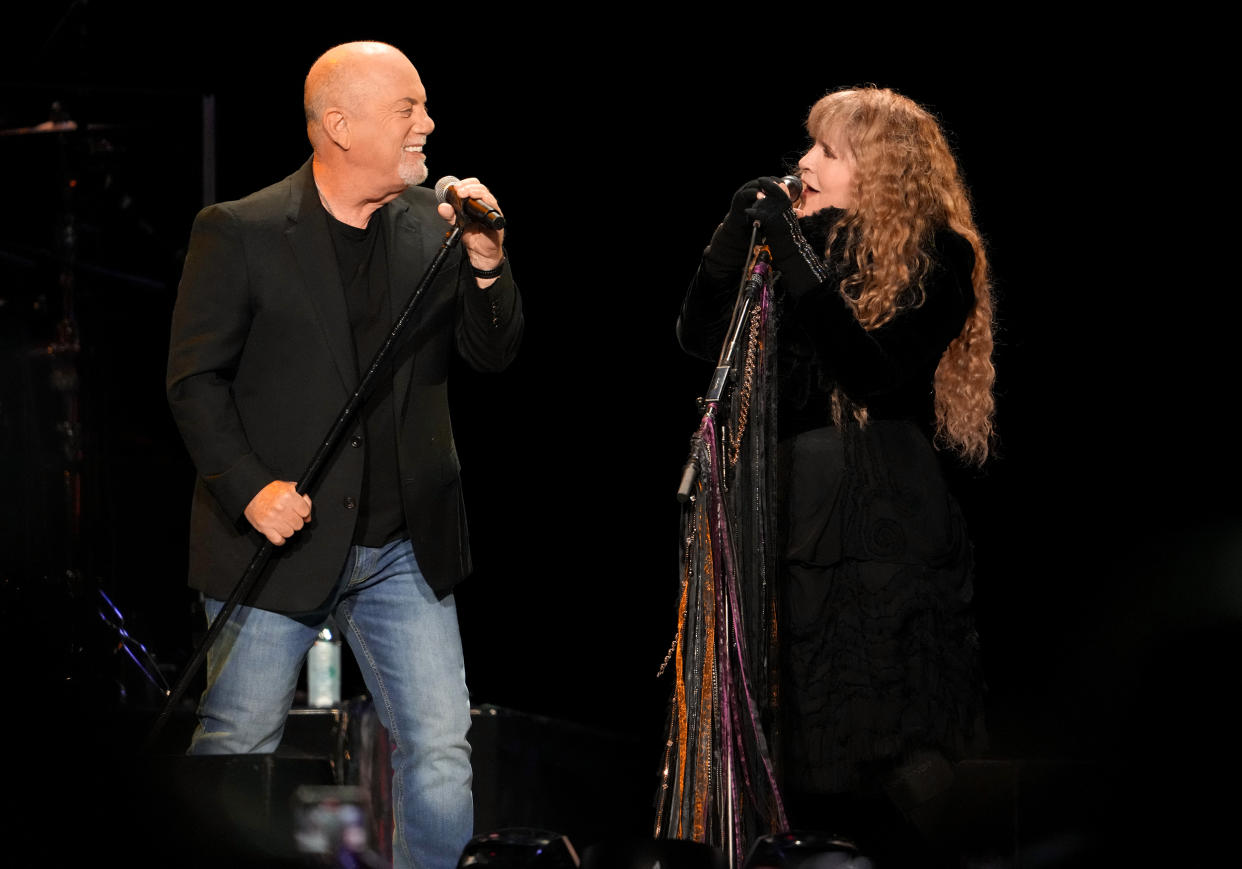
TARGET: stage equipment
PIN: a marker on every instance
(650, 853)
(221, 810)
(795, 849)
(53, 417)
(519, 848)
(718, 783)
(330, 827)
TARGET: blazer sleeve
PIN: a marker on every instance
(210, 324)
(490, 322)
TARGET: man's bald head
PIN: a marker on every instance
(343, 75)
(366, 117)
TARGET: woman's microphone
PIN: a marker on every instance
(794, 183)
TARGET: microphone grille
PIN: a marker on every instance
(794, 183)
(443, 185)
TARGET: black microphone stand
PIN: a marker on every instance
(752, 280)
(305, 483)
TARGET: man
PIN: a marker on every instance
(285, 297)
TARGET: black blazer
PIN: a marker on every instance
(261, 362)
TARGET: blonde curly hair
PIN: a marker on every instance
(906, 185)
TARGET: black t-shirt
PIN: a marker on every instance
(361, 256)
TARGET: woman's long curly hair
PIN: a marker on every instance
(906, 185)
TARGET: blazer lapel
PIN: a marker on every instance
(312, 248)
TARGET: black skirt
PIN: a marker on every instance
(880, 658)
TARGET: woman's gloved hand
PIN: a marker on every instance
(730, 245)
(800, 266)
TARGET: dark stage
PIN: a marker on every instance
(1107, 531)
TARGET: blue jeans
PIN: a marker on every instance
(409, 652)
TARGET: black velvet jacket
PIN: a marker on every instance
(889, 370)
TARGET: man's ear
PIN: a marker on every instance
(336, 126)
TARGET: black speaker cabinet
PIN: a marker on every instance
(583, 782)
(529, 770)
(234, 810)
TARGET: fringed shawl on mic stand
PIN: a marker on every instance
(718, 782)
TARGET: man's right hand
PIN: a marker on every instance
(278, 511)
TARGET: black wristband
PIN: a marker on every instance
(489, 273)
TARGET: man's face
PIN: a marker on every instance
(389, 127)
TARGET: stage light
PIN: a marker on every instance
(519, 848)
(643, 853)
(802, 849)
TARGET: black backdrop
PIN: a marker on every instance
(1106, 531)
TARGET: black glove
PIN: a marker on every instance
(730, 245)
(800, 266)
(771, 208)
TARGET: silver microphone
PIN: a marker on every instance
(794, 183)
(468, 209)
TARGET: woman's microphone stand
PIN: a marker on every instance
(753, 280)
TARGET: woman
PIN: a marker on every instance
(884, 343)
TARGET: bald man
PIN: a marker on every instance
(285, 297)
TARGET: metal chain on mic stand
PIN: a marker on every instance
(748, 381)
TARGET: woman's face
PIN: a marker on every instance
(827, 172)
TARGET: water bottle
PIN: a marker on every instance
(323, 670)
